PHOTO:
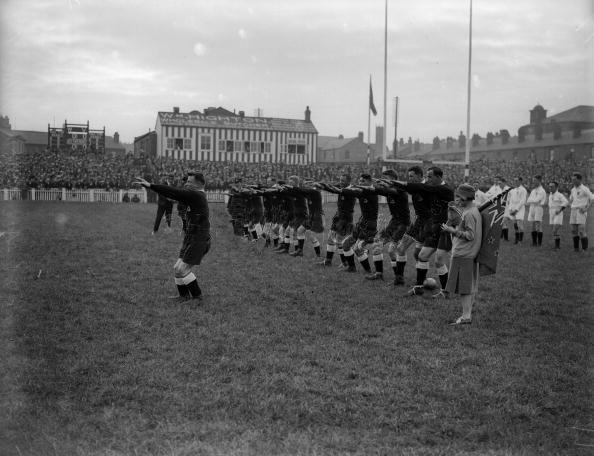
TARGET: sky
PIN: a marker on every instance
(118, 63)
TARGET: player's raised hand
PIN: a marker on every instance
(143, 182)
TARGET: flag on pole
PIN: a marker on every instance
(371, 104)
(492, 216)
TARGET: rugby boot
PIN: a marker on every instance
(398, 280)
(375, 276)
(297, 253)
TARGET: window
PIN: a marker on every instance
(187, 143)
(205, 142)
(222, 146)
(295, 146)
(267, 147)
(169, 143)
(238, 146)
(229, 147)
(246, 146)
(347, 154)
(179, 143)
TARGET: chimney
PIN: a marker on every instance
(360, 136)
(176, 110)
(242, 114)
(307, 114)
(116, 137)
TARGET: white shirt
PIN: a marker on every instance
(580, 197)
(480, 197)
(556, 201)
(493, 191)
(537, 197)
(516, 198)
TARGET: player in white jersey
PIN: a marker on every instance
(515, 208)
(580, 200)
(536, 202)
(557, 204)
(480, 197)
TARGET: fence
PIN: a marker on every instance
(107, 196)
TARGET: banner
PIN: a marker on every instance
(492, 217)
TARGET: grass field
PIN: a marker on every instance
(282, 357)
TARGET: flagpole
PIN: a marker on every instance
(368, 120)
(467, 150)
(385, 81)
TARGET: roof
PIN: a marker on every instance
(7, 132)
(33, 137)
(332, 142)
(567, 139)
(581, 113)
(198, 119)
(150, 133)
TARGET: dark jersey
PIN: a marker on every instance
(197, 213)
(299, 202)
(435, 199)
(397, 204)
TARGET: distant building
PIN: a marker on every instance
(343, 150)
(38, 141)
(568, 135)
(146, 144)
(218, 135)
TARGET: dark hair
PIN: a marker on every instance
(436, 171)
(520, 179)
(555, 183)
(390, 172)
(347, 177)
(365, 176)
(538, 176)
(577, 175)
(416, 169)
(198, 176)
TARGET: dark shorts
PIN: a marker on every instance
(315, 224)
(415, 230)
(365, 230)
(341, 225)
(194, 247)
(436, 238)
(299, 220)
(393, 232)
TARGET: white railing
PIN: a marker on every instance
(108, 196)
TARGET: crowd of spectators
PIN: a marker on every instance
(56, 169)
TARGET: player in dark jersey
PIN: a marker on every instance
(300, 214)
(196, 241)
(237, 209)
(397, 200)
(342, 222)
(164, 207)
(271, 202)
(439, 195)
(285, 217)
(315, 219)
(365, 231)
(414, 233)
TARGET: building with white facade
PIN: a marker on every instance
(219, 135)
